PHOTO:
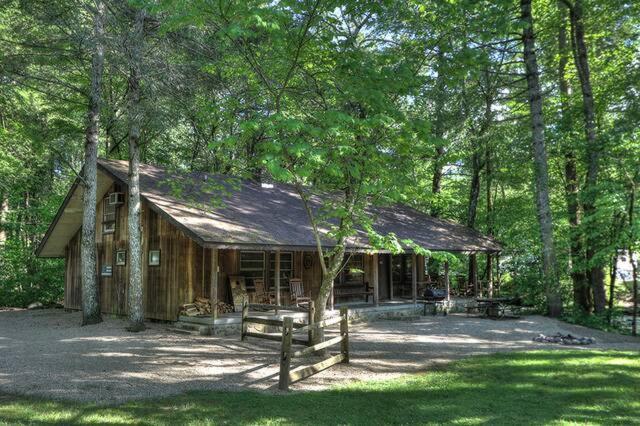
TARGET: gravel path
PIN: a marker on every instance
(46, 353)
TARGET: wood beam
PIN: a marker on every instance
(447, 285)
(414, 278)
(277, 277)
(390, 276)
(376, 284)
(214, 283)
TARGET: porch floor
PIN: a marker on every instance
(355, 308)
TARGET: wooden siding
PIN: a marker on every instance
(184, 271)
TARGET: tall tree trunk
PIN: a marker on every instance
(613, 272)
(489, 179)
(554, 300)
(474, 194)
(90, 291)
(136, 307)
(4, 211)
(632, 257)
(438, 131)
(595, 274)
(578, 276)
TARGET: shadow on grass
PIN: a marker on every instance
(516, 388)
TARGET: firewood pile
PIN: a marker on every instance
(202, 307)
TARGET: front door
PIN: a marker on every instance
(383, 276)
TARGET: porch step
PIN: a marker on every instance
(190, 328)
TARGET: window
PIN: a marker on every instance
(286, 268)
(251, 266)
(108, 217)
(354, 269)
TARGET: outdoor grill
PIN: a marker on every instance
(435, 294)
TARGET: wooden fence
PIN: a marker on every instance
(246, 320)
(288, 376)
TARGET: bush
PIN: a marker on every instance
(24, 278)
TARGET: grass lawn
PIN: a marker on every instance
(541, 387)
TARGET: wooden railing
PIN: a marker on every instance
(246, 320)
(288, 376)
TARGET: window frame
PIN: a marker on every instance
(284, 280)
(250, 273)
(108, 223)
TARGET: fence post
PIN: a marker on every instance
(312, 314)
(285, 354)
(245, 314)
(344, 332)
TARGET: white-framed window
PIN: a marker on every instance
(252, 266)
(108, 217)
(286, 268)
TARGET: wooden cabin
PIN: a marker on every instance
(195, 223)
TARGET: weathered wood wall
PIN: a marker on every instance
(184, 271)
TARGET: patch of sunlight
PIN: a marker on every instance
(106, 417)
(472, 421)
(622, 361)
(46, 414)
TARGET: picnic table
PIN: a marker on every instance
(496, 307)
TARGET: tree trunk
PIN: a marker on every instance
(438, 126)
(554, 300)
(578, 276)
(632, 258)
(613, 272)
(4, 211)
(474, 194)
(90, 291)
(489, 179)
(595, 273)
(136, 307)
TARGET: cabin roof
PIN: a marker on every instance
(227, 212)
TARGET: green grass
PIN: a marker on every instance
(541, 387)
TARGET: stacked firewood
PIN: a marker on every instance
(202, 307)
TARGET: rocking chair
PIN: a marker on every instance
(297, 292)
(262, 295)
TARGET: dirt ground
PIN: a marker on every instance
(46, 353)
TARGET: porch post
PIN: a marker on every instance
(446, 280)
(474, 274)
(277, 277)
(414, 279)
(489, 275)
(497, 272)
(376, 285)
(390, 276)
(214, 284)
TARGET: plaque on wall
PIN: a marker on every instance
(307, 261)
(154, 257)
(106, 271)
(121, 258)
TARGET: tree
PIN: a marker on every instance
(136, 301)
(596, 276)
(90, 292)
(554, 301)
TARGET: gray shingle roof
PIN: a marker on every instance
(230, 212)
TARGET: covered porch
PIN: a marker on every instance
(366, 282)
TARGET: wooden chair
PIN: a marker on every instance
(296, 288)
(238, 291)
(262, 295)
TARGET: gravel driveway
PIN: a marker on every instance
(46, 353)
